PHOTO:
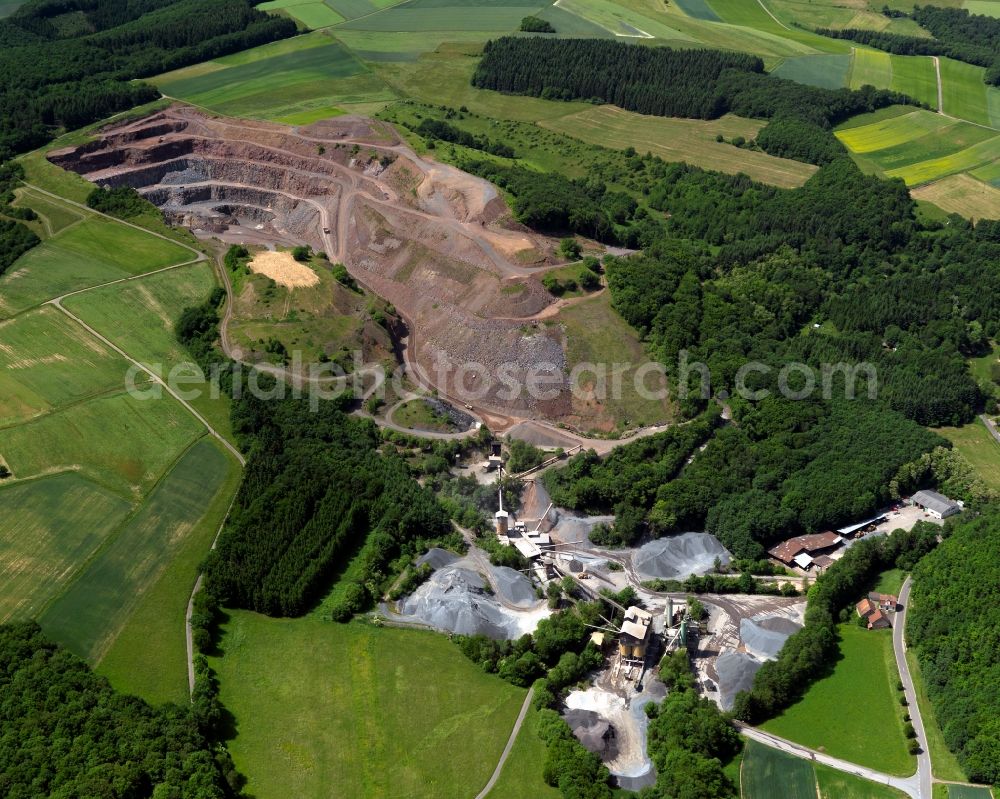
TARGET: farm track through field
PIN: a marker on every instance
(57, 303)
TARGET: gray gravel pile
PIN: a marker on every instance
(515, 587)
(595, 732)
(736, 671)
(680, 556)
(765, 637)
(575, 529)
(438, 558)
(458, 600)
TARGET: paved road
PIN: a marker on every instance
(899, 647)
(510, 745)
(909, 785)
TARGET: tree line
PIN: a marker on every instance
(15, 238)
(701, 84)
(953, 626)
(958, 34)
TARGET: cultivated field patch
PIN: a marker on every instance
(48, 528)
(89, 253)
(46, 363)
(139, 316)
(769, 774)
(311, 13)
(916, 77)
(89, 614)
(699, 9)
(355, 710)
(825, 71)
(296, 76)
(690, 140)
(962, 194)
(960, 161)
(968, 792)
(871, 68)
(120, 442)
(964, 91)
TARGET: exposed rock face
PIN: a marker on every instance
(432, 240)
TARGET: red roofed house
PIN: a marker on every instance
(885, 602)
(878, 621)
(802, 550)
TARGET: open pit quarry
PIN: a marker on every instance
(437, 243)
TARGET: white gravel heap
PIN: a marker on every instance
(680, 556)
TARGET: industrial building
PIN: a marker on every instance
(936, 505)
(803, 551)
(635, 634)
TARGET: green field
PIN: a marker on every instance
(287, 78)
(48, 529)
(835, 784)
(46, 363)
(53, 216)
(915, 76)
(90, 253)
(826, 71)
(88, 615)
(139, 317)
(890, 132)
(979, 448)
(838, 712)
(964, 91)
(988, 8)
(522, 773)
(772, 774)
(353, 710)
(147, 658)
(699, 9)
(871, 68)
(769, 773)
(968, 792)
(310, 13)
(120, 442)
(690, 140)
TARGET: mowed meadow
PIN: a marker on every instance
(113, 494)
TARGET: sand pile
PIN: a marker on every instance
(680, 556)
(283, 269)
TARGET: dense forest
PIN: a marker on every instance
(907, 301)
(954, 626)
(958, 34)
(15, 238)
(67, 733)
(703, 84)
(67, 63)
(315, 491)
